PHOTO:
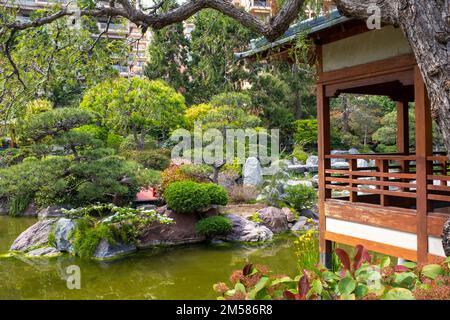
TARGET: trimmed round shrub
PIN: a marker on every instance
(213, 226)
(186, 197)
(217, 194)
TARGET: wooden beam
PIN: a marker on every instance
(373, 246)
(369, 70)
(424, 149)
(323, 120)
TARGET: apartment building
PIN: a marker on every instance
(262, 9)
(117, 30)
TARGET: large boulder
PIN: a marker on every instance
(246, 231)
(182, 231)
(252, 172)
(62, 230)
(106, 250)
(50, 212)
(446, 238)
(274, 218)
(34, 236)
(353, 151)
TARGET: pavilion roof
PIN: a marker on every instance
(309, 26)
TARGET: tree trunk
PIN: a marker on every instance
(446, 238)
(426, 26)
(345, 115)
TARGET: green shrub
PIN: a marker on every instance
(129, 143)
(157, 159)
(197, 172)
(300, 197)
(217, 194)
(18, 204)
(88, 235)
(148, 178)
(299, 153)
(306, 132)
(187, 197)
(213, 226)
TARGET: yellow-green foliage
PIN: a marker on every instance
(88, 235)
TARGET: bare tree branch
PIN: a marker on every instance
(7, 52)
(271, 29)
(100, 35)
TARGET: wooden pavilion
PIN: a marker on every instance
(397, 205)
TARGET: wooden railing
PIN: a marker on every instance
(386, 175)
(386, 179)
(439, 182)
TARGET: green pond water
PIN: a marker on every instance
(187, 272)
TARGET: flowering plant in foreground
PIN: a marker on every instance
(357, 279)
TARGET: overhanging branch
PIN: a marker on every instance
(272, 29)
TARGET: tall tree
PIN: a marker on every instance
(212, 67)
(168, 55)
(425, 23)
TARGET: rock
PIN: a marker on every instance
(227, 178)
(182, 231)
(297, 168)
(50, 212)
(304, 225)
(290, 217)
(315, 181)
(30, 211)
(106, 250)
(312, 161)
(43, 252)
(62, 230)
(300, 224)
(362, 163)
(446, 238)
(295, 161)
(306, 183)
(146, 207)
(308, 213)
(246, 231)
(252, 172)
(274, 219)
(313, 169)
(3, 207)
(340, 165)
(353, 151)
(36, 235)
(338, 152)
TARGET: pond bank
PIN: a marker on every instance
(186, 272)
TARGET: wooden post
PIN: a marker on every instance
(403, 133)
(403, 125)
(323, 119)
(424, 148)
(353, 167)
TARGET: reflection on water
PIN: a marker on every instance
(163, 273)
